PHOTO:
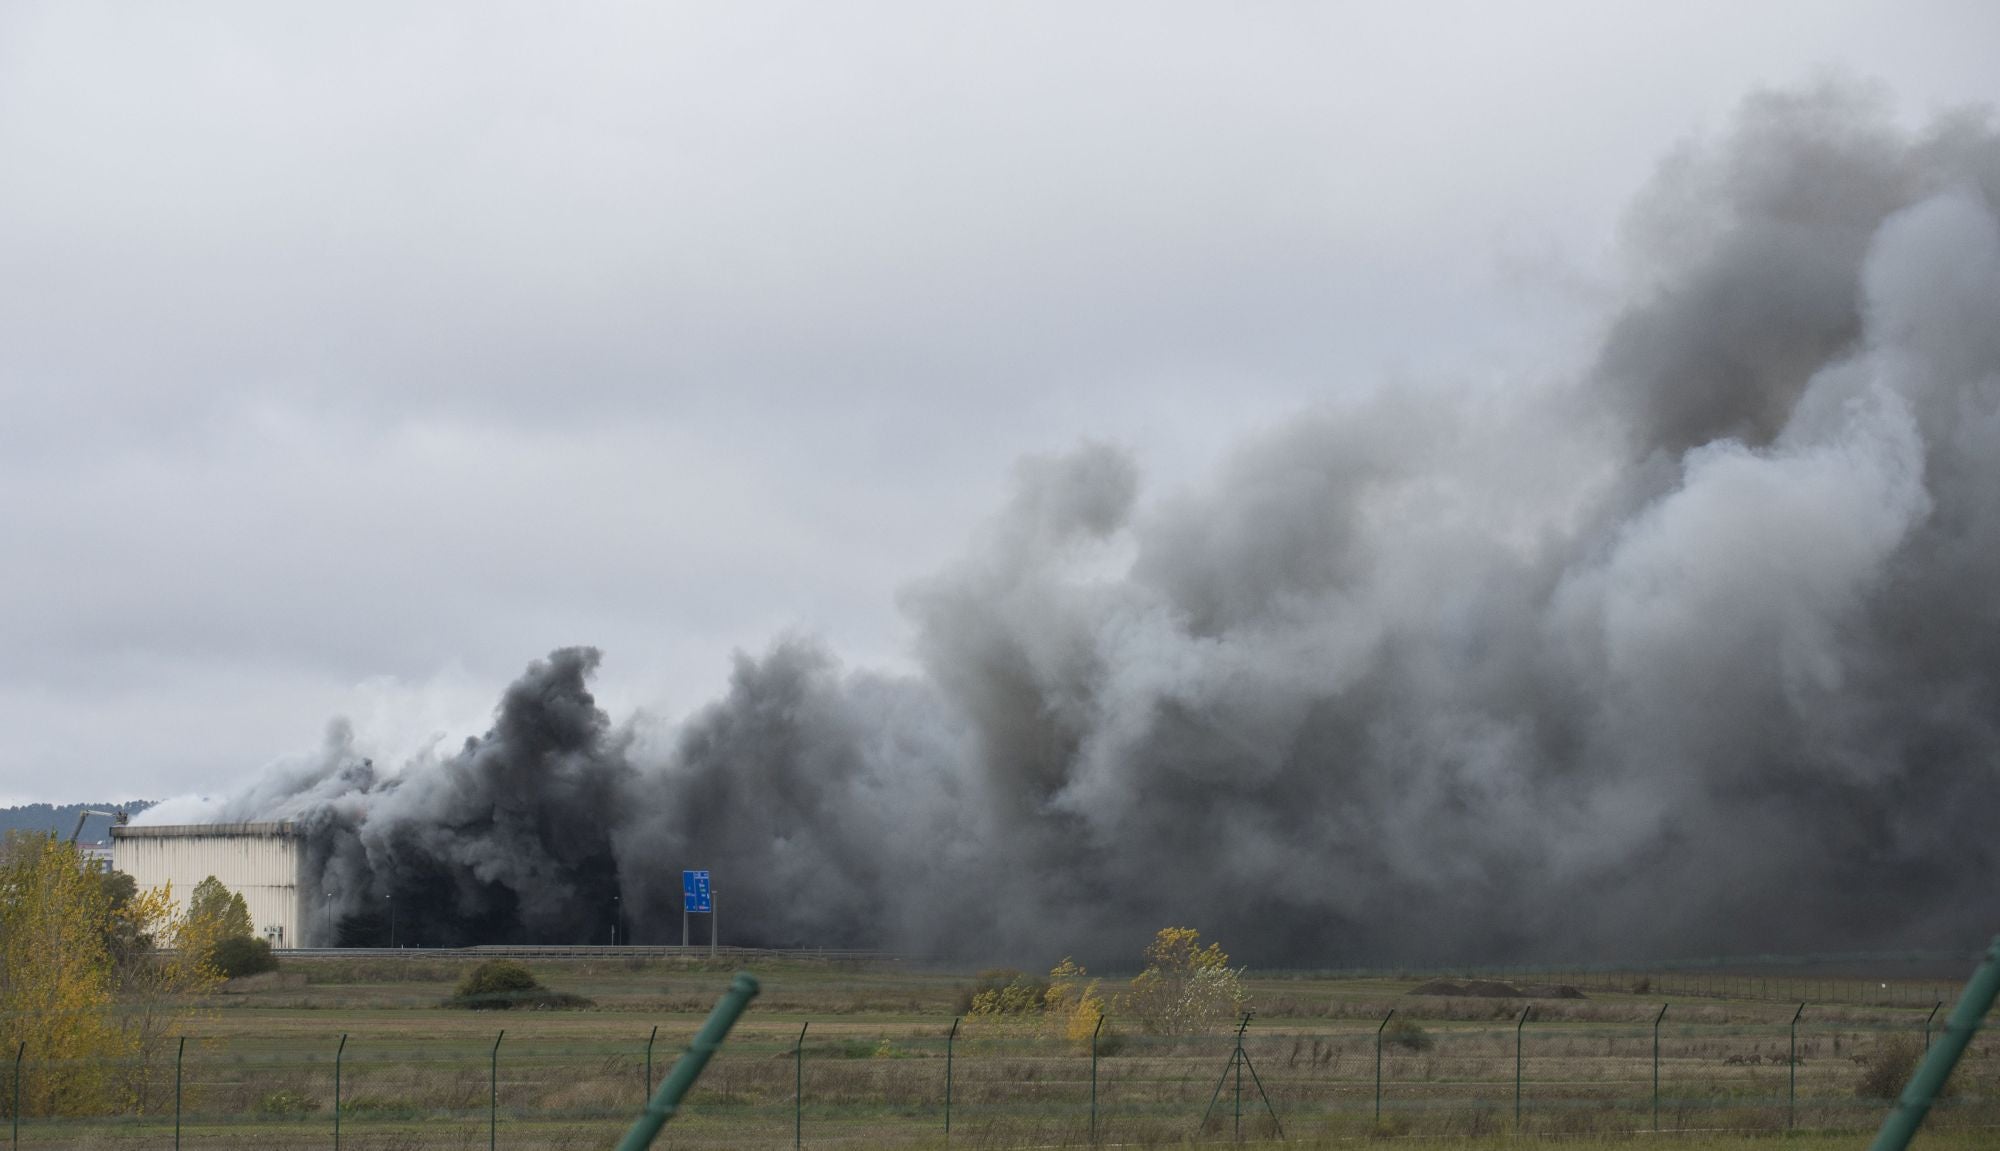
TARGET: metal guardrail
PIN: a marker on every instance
(585, 951)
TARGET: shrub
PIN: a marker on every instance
(1072, 1002)
(1405, 1033)
(1186, 989)
(1886, 1070)
(287, 1103)
(1003, 991)
(497, 977)
(500, 984)
(241, 955)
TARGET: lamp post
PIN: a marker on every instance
(614, 919)
(392, 918)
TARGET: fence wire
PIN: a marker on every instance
(1471, 1068)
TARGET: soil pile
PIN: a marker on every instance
(1496, 989)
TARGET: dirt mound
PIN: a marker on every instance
(1496, 989)
(1553, 991)
(1474, 988)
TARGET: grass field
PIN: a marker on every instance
(872, 1068)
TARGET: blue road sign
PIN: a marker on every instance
(694, 891)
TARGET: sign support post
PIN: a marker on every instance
(697, 898)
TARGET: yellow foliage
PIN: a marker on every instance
(1186, 988)
(55, 980)
(1072, 1001)
(1178, 949)
(1005, 993)
(62, 981)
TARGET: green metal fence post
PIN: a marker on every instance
(18, 1053)
(1792, 1091)
(799, 1087)
(648, 1092)
(337, 1053)
(951, 1038)
(1517, 1065)
(1656, 1066)
(1237, 1059)
(1378, 1063)
(1269, 1108)
(1973, 1003)
(493, 1094)
(178, 1052)
(1927, 1025)
(687, 1069)
(1093, 1078)
(1223, 1081)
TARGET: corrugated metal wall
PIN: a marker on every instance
(261, 867)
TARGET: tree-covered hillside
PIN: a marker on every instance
(61, 818)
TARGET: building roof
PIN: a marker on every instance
(282, 828)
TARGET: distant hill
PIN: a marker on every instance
(61, 818)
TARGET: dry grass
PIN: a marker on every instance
(415, 1076)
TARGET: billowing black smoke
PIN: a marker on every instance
(1699, 653)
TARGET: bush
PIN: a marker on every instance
(1186, 989)
(1003, 991)
(1072, 1002)
(287, 1104)
(1406, 1034)
(1887, 1069)
(241, 955)
(500, 984)
(496, 978)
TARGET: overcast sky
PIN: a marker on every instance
(351, 356)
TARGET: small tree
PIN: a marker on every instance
(74, 943)
(1072, 1001)
(159, 993)
(220, 911)
(55, 973)
(1186, 988)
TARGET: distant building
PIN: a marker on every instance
(262, 862)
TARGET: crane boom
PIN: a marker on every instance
(86, 813)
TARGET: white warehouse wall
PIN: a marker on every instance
(259, 861)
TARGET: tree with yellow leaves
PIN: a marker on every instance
(1072, 1002)
(1186, 988)
(73, 945)
(160, 985)
(55, 983)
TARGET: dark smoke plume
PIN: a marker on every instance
(1698, 653)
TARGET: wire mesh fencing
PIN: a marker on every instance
(1454, 1067)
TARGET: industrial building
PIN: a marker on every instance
(262, 862)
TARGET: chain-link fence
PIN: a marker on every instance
(1451, 1066)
